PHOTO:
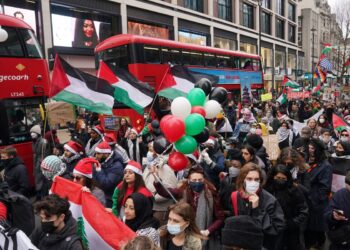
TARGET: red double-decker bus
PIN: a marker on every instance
(24, 81)
(148, 59)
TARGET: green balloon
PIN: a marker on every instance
(194, 124)
(196, 97)
(186, 145)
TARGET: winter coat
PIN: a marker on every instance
(320, 189)
(60, 240)
(16, 176)
(268, 214)
(40, 151)
(71, 162)
(109, 175)
(191, 242)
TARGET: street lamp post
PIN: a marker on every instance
(312, 56)
(259, 4)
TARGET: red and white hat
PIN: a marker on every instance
(110, 138)
(103, 148)
(84, 167)
(74, 147)
(211, 140)
(133, 130)
(98, 129)
(194, 156)
(135, 167)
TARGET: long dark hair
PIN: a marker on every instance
(139, 182)
(293, 155)
(320, 150)
(79, 36)
(273, 172)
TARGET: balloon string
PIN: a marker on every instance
(165, 188)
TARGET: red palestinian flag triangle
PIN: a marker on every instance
(338, 122)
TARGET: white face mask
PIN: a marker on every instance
(294, 172)
(344, 138)
(233, 172)
(326, 139)
(322, 120)
(34, 135)
(251, 186)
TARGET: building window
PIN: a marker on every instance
(224, 43)
(279, 28)
(187, 37)
(266, 23)
(266, 57)
(291, 64)
(266, 4)
(291, 33)
(196, 5)
(248, 15)
(225, 10)
(280, 59)
(248, 48)
(291, 12)
(280, 7)
(300, 22)
(300, 39)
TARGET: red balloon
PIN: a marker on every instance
(177, 161)
(173, 128)
(199, 110)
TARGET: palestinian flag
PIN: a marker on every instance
(316, 88)
(177, 81)
(339, 123)
(127, 89)
(76, 87)
(282, 99)
(290, 83)
(328, 48)
(98, 228)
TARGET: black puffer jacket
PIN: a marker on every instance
(16, 176)
(66, 239)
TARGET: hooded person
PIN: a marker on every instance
(40, 151)
(139, 217)
(285, 135)
(73, 152)
(96, 135)
(342, 150)
(110, 171)
(212, 160)
(243, 125)
(257, 143)
(82, 174)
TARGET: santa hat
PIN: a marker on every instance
(134, 166)
(110, 138)
(133, 130)
(84, 167)
(73, 147)
(103, 148)
(211, 140)
(194, 156)
(98, 129)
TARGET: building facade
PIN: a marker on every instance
(228, 24)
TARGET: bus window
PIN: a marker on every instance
(224, 61)
(209, 60)
(21, 115)
(186, 57)
(246, 63)
(32, 45)
(236, 63)
(12, 46)
(192, 58)
(116, 57)
(152, 54)
(172, 56)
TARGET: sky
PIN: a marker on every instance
(334, 3)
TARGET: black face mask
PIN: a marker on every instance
(339, 153)
(48, 227)
(5, 162)
(280, 184)
(289, 165)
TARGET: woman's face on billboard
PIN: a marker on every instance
(88, 28)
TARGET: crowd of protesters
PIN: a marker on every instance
(230, 196)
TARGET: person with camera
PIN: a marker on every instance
(337, 216)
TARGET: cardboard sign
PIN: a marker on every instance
(271, 145)
(266, 97)
(60, 113)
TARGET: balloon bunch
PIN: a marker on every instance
(185, 127)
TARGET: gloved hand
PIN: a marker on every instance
(205, 233)
(206, 157)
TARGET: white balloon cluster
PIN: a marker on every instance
(3, 35)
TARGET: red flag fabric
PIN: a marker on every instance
(338, 121)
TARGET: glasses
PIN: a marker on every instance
(344, 135)
(78, 178)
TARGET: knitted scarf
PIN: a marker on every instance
(134, 150)
(282, 134)
(204, 213)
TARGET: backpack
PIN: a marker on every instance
(20, 212)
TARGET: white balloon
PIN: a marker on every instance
(3, 35)
(212, 109)
(181, 107)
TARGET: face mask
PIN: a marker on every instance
(326, 139)
(233, 172)
(280, 184)
(196, 186)
(322, 120)
(174, 229)
(294, 172)
(48, 227)
(344, 138)
(5, 162)
(34, 135)
(253, 131)
(339, 153)
(150, 157)
(251, 186)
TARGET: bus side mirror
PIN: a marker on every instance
(3, 35)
